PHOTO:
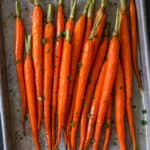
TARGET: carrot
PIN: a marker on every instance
(30, 88)
(82, 81)
(133, 26)
(60, 25)
(94, 107)
(64, 73)
(19, 57)
(120, 107)
(89, 22)
(108, 127)
(127, 69)
(100, 29)
(48, 72)
(77, 40)
(37, 31)
(90, 88)
(112, 63)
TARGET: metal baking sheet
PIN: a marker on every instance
(10, 105)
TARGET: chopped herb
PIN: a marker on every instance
(144, 111)
(80, 65)
(72, 124)
(89, 115)
(134, 106)
(48, 50)
(43, 41)
(18, 61)
(69, 78)
(63, 34)
(106, 125)
(143, 122)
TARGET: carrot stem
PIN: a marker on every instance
(73, 8)
(28, 44)
(123, 4)
(117, 23)
(68, 36)
(59, 2)
(18, 12)
(86, 7)
(36, 2)
(50, 13)
(107, 29)
(103, 4)
(90, 9)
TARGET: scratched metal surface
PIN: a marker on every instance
(141, 100)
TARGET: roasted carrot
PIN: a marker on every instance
(94, 107)
(90, 88)
(86, 61)
(120, 107)
(64, 73)
(19, 57)
(111, 70)
(60, 25)
(77, 41)
(89, 22)
(133, 26)
(48, 73)
(108, 127)
(37, 48)
(100, 29)
(30, 88)
(127, 69)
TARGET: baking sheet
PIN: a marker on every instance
(140, 100)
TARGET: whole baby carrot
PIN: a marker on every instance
(48, 73)
(31, 92)
(120, 107)
(94, 107)
(86, 60)
(64, 73)
(127, 69)
(133, 26)
(60, 25)
(90, 88)
(112, 64)
(108, 127)
(19, 57)
(37, 48)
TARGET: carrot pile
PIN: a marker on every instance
(72, 75)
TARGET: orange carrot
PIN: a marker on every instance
(77, 41)
(30, 88)
(108, 127)
(120, 107)
(64, 73)
(60, 25)
(86, 60)
(111, 70)
(90, 88)
(19, 51)
(127, 69)
(48, 72)
(133, 26)
(94, 107)
(37, 32)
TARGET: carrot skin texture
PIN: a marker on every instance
(31, 98)
(133, 26)
(82, 79)
(90, 88)
(95, 106)
(19, 57)
(48, 72)
(127, 69)
(37, 48)
(108, 129)
(112, 63)
(120, 107)
(64, 82)
(60, 25)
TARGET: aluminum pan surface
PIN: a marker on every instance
(141, 100)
